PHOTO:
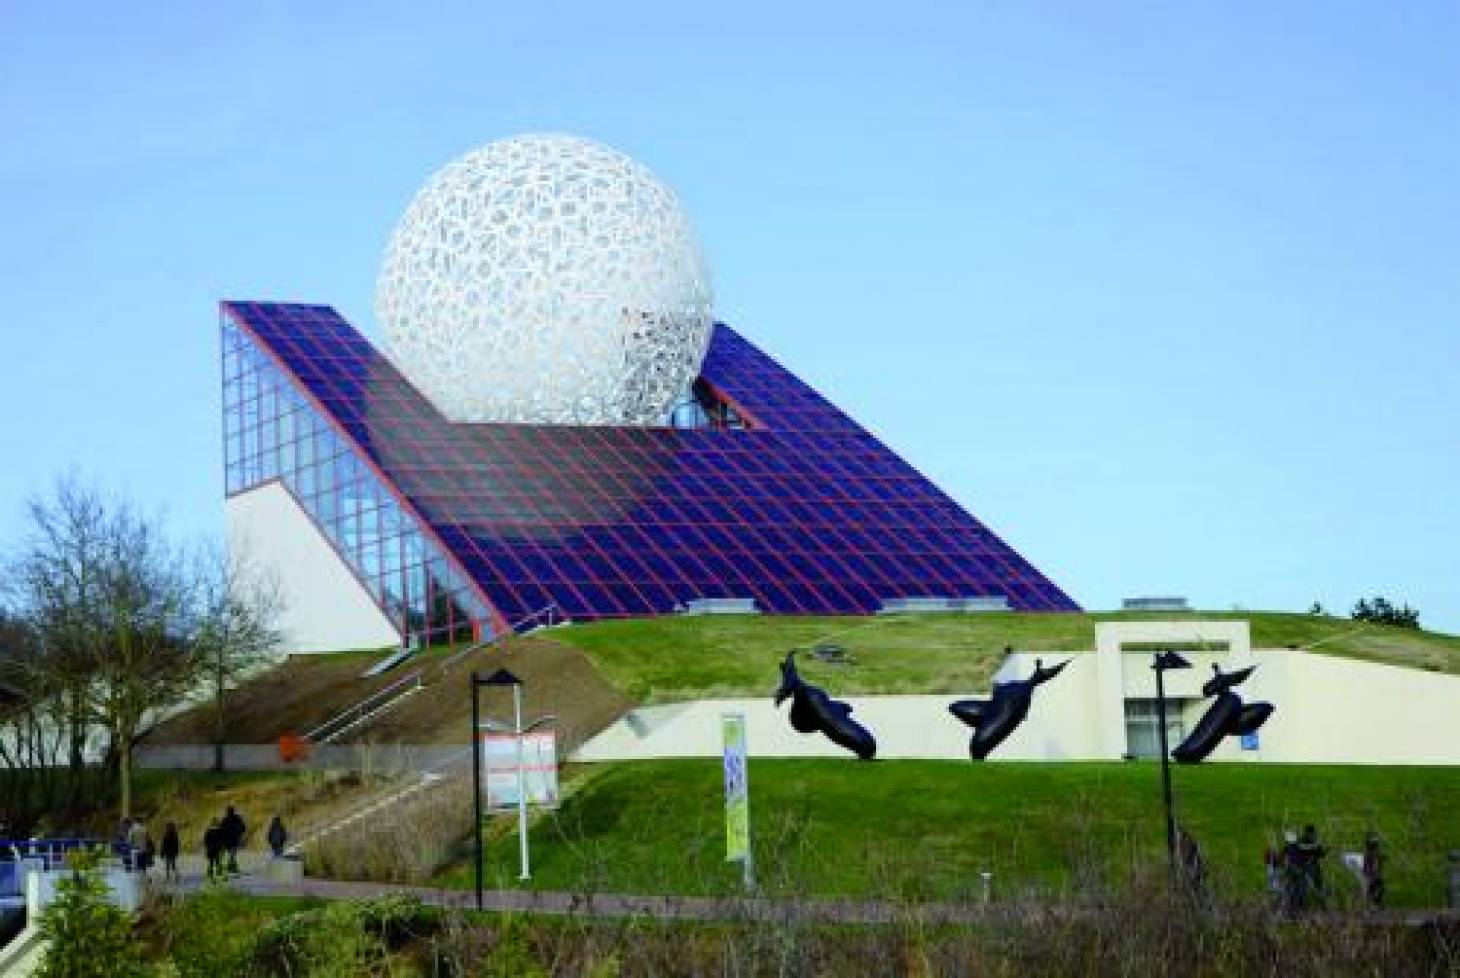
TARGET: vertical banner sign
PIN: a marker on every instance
(737, 791)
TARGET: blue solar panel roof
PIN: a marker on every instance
(803, 510)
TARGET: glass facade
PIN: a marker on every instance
(1143, 726)
(768, 492)
(271, 432)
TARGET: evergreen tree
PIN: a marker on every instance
(88, 936)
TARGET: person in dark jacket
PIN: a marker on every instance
(1373, 870)
(213, 848)
(1311, 853)
(234, 830)
(171, 849)
(277, 836)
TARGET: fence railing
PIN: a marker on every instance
(19, 856)
(388, 696)
(381, 699)
(545, 617)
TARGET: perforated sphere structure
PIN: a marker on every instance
(546, 278)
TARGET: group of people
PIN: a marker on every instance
(1295, 870)
(221, 842)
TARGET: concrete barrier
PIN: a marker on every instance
(366, 758)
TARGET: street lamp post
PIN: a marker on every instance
(502, 678)
(1162, 662)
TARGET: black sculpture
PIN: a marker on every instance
(994, 719)
(1228, 715)
(812, 711)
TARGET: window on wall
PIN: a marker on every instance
(1143, 727)
(272, 432)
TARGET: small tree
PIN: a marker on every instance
(237, 609)
(1381, 611)
(111, 604)
(88, 936)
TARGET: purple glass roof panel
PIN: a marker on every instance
(803, 510)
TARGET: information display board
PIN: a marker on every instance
(539, 763)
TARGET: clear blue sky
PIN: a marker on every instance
(1165, 293)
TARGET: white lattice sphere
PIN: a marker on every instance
(546, 278)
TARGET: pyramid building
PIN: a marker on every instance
(559, 428)
(453, 530)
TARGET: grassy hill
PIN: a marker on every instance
(589, 673)
(687, 657)
(927, 829)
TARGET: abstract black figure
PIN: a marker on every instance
(812, 711)
(1228, 715)
(994, 719)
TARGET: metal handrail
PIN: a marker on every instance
(358, 711)
(549, 610)
(386, 695)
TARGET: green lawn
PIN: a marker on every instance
(927, 828)
(688, 657)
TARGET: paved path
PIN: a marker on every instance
(752, 909)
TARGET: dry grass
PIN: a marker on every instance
(307, 690)
(408, 842)
(192, 799)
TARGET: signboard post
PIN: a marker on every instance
(737, 795)
(514, 785)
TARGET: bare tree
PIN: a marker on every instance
(109, 599)
(54, 582)
(237, 610)
(32, 731)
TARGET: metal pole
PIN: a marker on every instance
(749, 842)
(521, 785)
(476, 783)
(1165, 768)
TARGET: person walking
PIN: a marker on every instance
(171, 849)
(149, 850)
(234, 830)
(122, 844)
(213, 848)
(1312, 852)
(277, 836)
(1373, 868)
(1295, 880)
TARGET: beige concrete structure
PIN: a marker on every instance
(325, 607)
(1100, 708)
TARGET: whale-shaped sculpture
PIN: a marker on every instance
(812, 711)
(1227, 716)
(995, 718)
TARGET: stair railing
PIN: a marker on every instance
(380, 699)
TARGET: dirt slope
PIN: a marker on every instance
(308, 689)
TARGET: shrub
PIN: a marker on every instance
(342, 940)
(212, 934)
(87, 935)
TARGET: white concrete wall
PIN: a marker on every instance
(1329, 710)
(1347, 711)
(1060, 726)
(325, 607)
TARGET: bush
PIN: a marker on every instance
(1381, 611)
(342, 940)
(87, 935)
(212, 934)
